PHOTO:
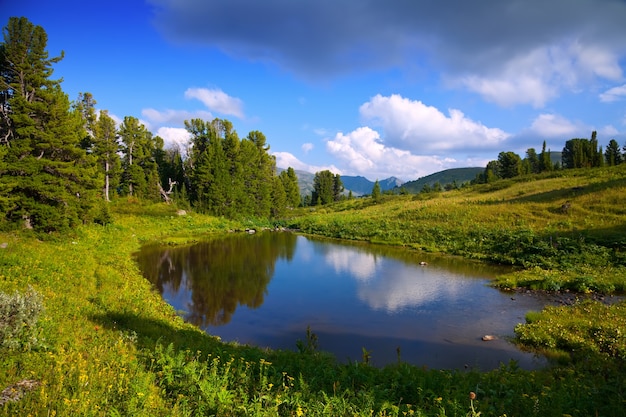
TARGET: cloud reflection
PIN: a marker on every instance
(391, 285)
(360, 265)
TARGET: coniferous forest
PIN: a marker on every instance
(62, 161)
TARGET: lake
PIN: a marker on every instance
(265, 289)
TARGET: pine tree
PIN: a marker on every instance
(86, 106)
(376, 191)
(613, 155)
(105, 146)
(140, 176)
(50, 178)
(279, 198)
(290, 184)
(545, 162)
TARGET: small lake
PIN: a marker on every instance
(265, 289)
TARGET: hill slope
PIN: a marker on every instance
(448, 176)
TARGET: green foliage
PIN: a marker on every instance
(582, 153)
(327, 188)
(49, 176)
(586, 330)
(19, 314)
(376, 194)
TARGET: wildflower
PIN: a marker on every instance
(472, 395)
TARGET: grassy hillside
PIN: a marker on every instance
(448, 176)
(567, 228)
(106, 344)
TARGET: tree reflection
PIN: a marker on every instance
(220, 274)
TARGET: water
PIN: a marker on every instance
(266, 289)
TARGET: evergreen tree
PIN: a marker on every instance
(279, 198)
(140, 176)
(613, 155)
(582, 153)
(50, 179)
(492, 171)
(376, 191)
(545, 161)
(509, 164)
(324, 185)
(337, 187)
(259, 169)
(105, 147)
(290, 184)
(532, 161)
(86, 106)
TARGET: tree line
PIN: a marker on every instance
(577, 153)
(62, 161)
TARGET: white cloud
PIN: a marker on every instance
(217, 100)
(614, 94)
(537, 76)
(159, 118)
(422, 129)
(364, 154)
(174, 136)
(286, 160)
(307, 147)
(556, 126)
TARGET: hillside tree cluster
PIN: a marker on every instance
(577, 153)
(61, 162)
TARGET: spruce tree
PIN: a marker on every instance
(50, 178)
(140, 176)
(105, 146)
(290, 184)
(376, 191)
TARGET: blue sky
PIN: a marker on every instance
(369, 87)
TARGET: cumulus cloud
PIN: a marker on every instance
(363, 152)
(529, 50)
(174, 137)
(422, 129)
(177, 117)
(307, 147)
(614, 94)
(556, 126)
(217, 100)
(286, 160)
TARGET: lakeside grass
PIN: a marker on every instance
(111, 346)
(566, 229)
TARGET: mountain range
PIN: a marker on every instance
(362, 186)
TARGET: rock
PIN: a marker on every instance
(488, 337)
(3, 245)
(181, 213)
(423, 263)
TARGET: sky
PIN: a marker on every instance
(375, 88)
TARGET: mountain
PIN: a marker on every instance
(448, 176)
(362, 186)
(358, 185)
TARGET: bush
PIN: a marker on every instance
(18, 319)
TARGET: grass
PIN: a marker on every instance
(567, 229)
(108, 345)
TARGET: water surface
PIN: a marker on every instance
(266, 289)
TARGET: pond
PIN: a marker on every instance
(265, 289)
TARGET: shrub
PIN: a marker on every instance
(18, 319)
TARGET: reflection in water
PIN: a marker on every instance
(218, 275)
(265, 289)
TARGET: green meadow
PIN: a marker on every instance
(97, 340)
